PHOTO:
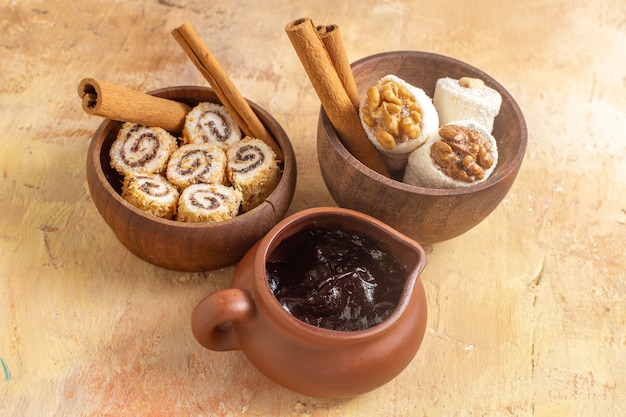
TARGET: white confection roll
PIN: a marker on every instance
(466, 99)
(211, 123)
(197, 163)
(151, 193)
(141, 149)
(461, 154)
(397, 118)
(208, 203)
(253, 169)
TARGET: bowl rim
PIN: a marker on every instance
(504, 173)
(108, 124)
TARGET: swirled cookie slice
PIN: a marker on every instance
(397, 117)
(208, 203)
(252, 169)
(141, 149)
(197, 163)
(461, 154)
(151, 193)
(211, 123)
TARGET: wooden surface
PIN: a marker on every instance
(527, 313)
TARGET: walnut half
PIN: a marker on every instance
(392, 112)
(463, 153)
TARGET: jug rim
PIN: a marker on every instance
(309, 218)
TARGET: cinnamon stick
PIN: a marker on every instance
(333, 96)
(101, 98)
(333, 42)
(224, 88)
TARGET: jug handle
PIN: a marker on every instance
(213, 317)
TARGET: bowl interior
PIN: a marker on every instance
(423, 69)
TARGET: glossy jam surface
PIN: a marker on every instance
(335, 279)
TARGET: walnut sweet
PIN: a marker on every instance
(393, 113)
(464, 153)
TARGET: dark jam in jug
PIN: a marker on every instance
(335, 279)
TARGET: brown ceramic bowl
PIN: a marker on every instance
(177, 245)
(427, 215)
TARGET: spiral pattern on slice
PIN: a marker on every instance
(197, 163)
(211, 123)
(246, 157)
(208, 202)
(151, 193)
(141, 149)
(253, 169)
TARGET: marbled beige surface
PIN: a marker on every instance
(527, 310)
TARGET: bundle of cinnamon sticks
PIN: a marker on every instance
(322, 53)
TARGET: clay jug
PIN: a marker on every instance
(304, 358)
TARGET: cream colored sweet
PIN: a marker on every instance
(397, 117)
(466, 99)
(151, 193)
(208, 203)
(252, 169)
(211, 123)
(196, 163)
(141, 149)
(460, 154)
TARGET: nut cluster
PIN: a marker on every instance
(464, 153)
(393, 113)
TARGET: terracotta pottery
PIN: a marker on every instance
(427, 215)
(302, 357)
(180, 245)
